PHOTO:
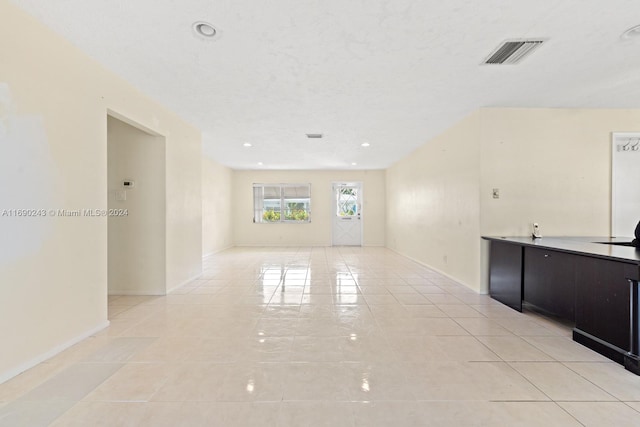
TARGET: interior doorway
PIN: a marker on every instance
(136, 210)
(347, 214)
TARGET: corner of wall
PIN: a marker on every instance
(432, 213)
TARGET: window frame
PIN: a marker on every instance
(258, 210)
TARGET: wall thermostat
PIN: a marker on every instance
(128, 183)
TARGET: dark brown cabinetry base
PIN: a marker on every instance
(550, 282)
(576, 280)
(505, 274)
(603, 299)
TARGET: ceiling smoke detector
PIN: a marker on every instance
(204, 30)
(513, 51)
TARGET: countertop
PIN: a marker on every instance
(579, 245)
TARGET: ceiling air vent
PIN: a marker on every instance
(513, 51)
(314, 135)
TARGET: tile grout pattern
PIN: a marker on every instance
(322, 336)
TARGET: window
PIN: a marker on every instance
(347, 201)
(281, 203)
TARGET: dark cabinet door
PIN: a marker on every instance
(602, 299)
(550, 281)
(505, 274)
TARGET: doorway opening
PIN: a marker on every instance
(136, 210)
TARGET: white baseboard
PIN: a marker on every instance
(327, 245)
(196, 277)
(216, 251)
(7, 375)
(438, 271)
(133, 292)
(279, 245)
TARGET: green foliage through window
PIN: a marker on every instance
(347, 201)
(271, 216)
(274, 203)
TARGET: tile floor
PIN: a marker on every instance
(322, 337)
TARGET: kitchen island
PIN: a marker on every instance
(590, 281)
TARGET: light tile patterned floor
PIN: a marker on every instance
(322, 337)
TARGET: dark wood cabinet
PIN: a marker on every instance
(550, 281)
(593, 284)
(505, 274)
(603, 299)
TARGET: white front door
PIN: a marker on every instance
(347, 214)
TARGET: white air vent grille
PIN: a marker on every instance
(513, 51)
(314, 135)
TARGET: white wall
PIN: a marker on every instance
(53, 146)
(217, 229)
(318, 231)
(433, 211)
(551, 166)
(137, 228)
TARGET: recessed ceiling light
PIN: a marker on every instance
(354, 164)
(365, 144)
(246, 144)
(631, 33)
(260, 163)
(204, 29)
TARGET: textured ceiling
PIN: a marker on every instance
(392, 73)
